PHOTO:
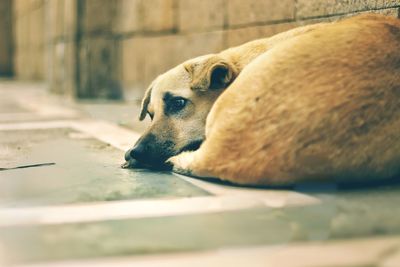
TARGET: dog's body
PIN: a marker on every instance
(322, 104)
(199, 82)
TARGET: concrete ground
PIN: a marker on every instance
(64, 201)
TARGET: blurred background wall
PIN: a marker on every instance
(6, 40)
(114, 48)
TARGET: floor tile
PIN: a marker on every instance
(85, 170)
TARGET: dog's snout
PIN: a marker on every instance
(137, 152)
(148, 150)
(128, 155)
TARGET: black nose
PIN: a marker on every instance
(128, 155)
(137, 152)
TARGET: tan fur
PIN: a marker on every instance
(200, 80)
(322, 105)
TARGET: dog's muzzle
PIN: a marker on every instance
(132, 163)
(129, 161)
(142, 156)
(145, 155)
(128, 156)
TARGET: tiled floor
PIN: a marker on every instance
(82, 209)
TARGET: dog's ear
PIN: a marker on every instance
(213, 73)
(145, 102)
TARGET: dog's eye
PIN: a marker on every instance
(177, 104)
(174, 104)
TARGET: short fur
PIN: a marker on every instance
(322, 105)
(201, 81)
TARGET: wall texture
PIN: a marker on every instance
(111, 48)
(28, 25)
(6, 40)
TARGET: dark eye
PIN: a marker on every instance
(174, 104)
(177, 104)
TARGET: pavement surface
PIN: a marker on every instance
(64, 201)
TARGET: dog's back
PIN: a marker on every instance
(324, 105)
(245, 53)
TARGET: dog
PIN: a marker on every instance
(179, 100)
(322, 104)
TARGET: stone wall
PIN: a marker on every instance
(6, 40)
(61, 45)
(29, 41)
(156, 35)
(110, 48)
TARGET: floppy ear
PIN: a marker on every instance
(213, 73)
(145, 102)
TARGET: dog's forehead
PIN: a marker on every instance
(176, 80)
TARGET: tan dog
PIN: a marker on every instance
(179, 100)
(324, 105)
(321, 104)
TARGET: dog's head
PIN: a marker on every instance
(178, 103)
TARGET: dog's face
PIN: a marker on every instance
(178, 103)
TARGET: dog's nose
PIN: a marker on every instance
(128, 155)
(137, 152)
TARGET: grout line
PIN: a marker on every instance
(104, 131)
(359, 252)
(126, 209)
(226, 190)
(107, 132)
(136, 209)
(35, 125)
(342, 14)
